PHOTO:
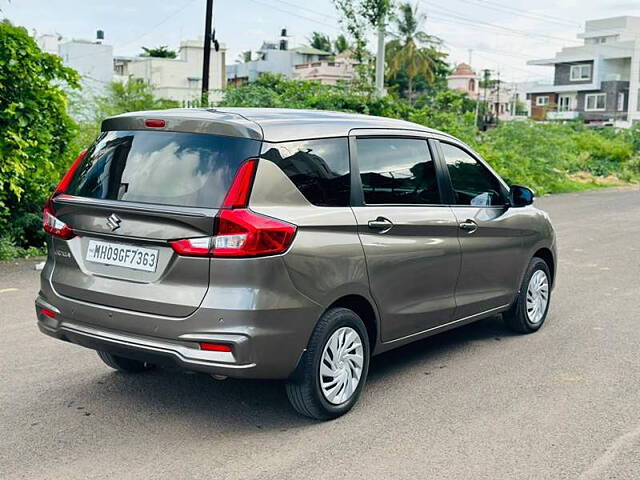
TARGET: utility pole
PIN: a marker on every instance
(380, 57)
(486, 75)
(204, 100)
(498, 102)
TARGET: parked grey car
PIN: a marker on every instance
(284, 244)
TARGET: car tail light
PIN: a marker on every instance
(215, 347)
(239, 232)
(48, 313)
(50, 222)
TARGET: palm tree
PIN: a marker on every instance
(413, 51)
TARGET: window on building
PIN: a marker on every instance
(564, 103)
(472, 85)
(542, 100)
(397, 171)
(580, 72)
(595, 102)
(620, 102)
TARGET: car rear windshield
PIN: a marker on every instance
(168, 168)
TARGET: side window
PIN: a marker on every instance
(472, 183)
(319, 168)
(397, 171)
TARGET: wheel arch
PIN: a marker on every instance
(365, 309)
(547, 255)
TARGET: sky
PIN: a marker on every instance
(502, 34)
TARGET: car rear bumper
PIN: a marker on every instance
(259, 349)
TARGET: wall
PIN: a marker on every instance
(562, 74)
(93, 61)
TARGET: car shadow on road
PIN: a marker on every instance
(200, 403)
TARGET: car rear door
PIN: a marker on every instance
(134, 192)
(409, 237)
(490, 233)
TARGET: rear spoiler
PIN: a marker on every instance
(220, 123)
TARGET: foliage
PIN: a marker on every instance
(358, 17)
(547, 157)
(130, 96)
(321, 41)
(159, 52)
(341, 44)
(244, 57)
(35, 132)
(414, 52)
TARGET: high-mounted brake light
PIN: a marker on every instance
(50, 222)
(239, 232)
(154, 123)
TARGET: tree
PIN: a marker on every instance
(341, 44)
(359, 17)
(35, 132)
(244, 57)
(160, 52)
(130, 96)
(414, 51)
(321, 41)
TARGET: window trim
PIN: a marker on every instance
(540, 97)
(578, 68)
(595, 95)
(357, 191)
(452, 196)
(620, 102)
(568, 107)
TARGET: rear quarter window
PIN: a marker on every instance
(168, 168)
(319, 168)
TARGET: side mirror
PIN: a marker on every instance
(520, 196)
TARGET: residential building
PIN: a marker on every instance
(176, 78)
(92, 59)
(329, 71)
(502, 98)
(598, 81)
(464, 79)
(276, 57)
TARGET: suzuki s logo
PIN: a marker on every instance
(114, 222)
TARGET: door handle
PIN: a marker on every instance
(468, 226)
(382, 224)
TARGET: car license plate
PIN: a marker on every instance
(119, 255)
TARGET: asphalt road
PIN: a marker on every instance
(473, 403)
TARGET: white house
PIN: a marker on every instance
(91, 58)
(598, 81)
(176, 78)
(276, 57)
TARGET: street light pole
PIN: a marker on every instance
(206, 60)
(380, 58)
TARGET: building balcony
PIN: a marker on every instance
(567, 115)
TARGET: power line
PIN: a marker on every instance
(264, 4)
(524, 13)
(455, 15)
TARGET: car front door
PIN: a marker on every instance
(491, 234)
(409, 237)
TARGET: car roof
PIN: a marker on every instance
(269, 124)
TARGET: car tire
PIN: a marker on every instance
(529, 311)
(339, 345)
(124, 365)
